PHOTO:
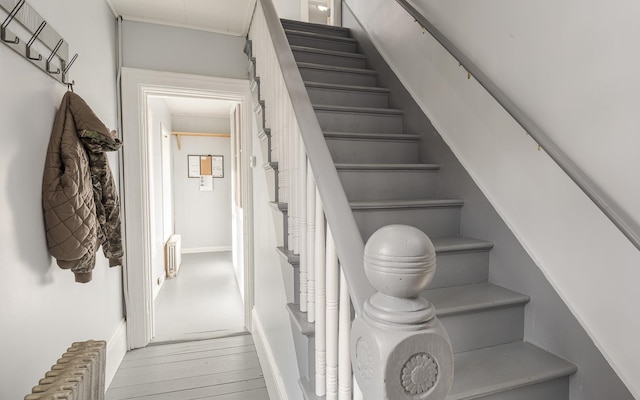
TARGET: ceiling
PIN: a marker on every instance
(198, 106)
(231, 17)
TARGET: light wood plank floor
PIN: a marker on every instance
(223, 369)
(202, 301)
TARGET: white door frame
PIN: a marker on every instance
(137, 86)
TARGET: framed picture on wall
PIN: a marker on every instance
(217, 166)
(208, 165)
(193, 166)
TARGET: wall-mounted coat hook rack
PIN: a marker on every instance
(66, 69)
(32, 40)
(50, 58)
(37, 30)
(7, 21)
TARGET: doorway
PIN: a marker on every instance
(147, 222)
(202, 298)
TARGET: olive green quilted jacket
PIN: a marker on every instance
(79, 197)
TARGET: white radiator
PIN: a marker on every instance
(78, 375)
(173, 255)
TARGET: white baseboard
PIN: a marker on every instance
(116, 349)
(206, 249)
(272, 375)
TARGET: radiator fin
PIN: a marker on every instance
(78, 375)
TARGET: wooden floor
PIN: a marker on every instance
(202, 301)
(223, 369)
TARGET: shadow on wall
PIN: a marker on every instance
(24, 188)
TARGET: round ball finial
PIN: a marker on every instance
(399, 260)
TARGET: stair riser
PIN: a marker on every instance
(348, 98)
(316, 29)
(455, 269)
(386, 185)
(556, 389)
(304, 346)
(356, 122)
(318, 43)
(337, 77)
(368, 151)
(482, 329)
(435, 222)
(329, 59)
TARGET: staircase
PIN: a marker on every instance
(386, 182)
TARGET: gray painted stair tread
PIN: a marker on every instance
(420, 203)
(291, 257)
(387, 167)
(325, 67)
(505, 367)
(373, 136)
(313, 24)
(280, 206)
(459, 244)
(309, 391)
(300, 320)
(337, 86)
(370, 110)
(294, 32)
(329, 52)
(469, 298)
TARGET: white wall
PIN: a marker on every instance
(289, 9)
(578, 87)
(42, 309)
(189, 51)
(270, 289)
(160, 117)
(202, 218)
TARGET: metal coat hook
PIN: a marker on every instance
(33, 39)
(12, 15)
(53, 53)
(66, 71)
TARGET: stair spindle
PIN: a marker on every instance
(311, 244)
(321, 344)
(332, 286)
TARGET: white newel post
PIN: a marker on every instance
(400, 350)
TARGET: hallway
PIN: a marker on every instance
(203, 301)
(201, 349)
